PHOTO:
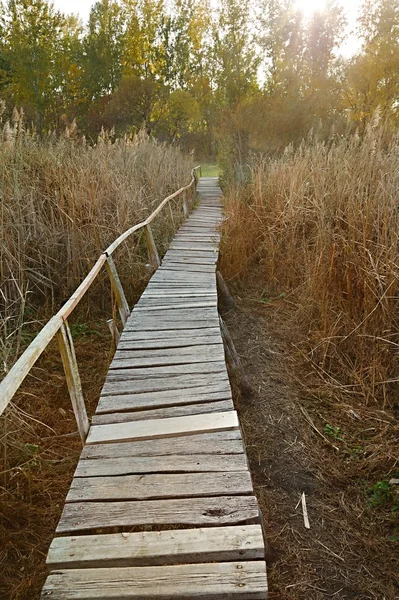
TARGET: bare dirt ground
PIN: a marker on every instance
(302, 439)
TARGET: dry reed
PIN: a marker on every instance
(62, 203)
(321, 223)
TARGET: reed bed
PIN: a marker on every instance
(63, 202)
(320, 223)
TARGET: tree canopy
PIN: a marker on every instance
(190, 72)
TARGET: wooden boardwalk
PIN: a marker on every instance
(161, 505)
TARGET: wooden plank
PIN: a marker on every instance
(245, 580)
(182, 293)
(169, 334)
(163, 398)
(159, 308)
(200, 353)
(193, 463)
(212, 365)
(161, 413)
(184, 546)
(220, 442)
(193, 259)
(178, 342)
(186, 286)
(222, 510)
(189, 319)
(189, 268)
(195, 253)
(154, 428)
(185, 382)
(170, 321)
(133, 359)
(173, 300)
(127, 372)
(154, 486)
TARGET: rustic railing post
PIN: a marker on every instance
(67, 351)
(152, 249)
(171, 216)
(116, 336)
(117, 289)
(185, 208)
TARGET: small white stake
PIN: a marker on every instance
(305, 512)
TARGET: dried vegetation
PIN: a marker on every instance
(315, 236)
(62, 203)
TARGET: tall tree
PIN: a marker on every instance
(104, 46)
(373, 75)
(33, 44)
(234, 51)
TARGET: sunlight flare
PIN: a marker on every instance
(308, 7)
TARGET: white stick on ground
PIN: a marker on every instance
(305, 511)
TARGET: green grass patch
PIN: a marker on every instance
(210, 169)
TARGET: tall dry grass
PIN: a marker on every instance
(62, 203)
(321, 223)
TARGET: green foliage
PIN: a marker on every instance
(248, 77)
(383, 494)
(82, 330)
(333, 431)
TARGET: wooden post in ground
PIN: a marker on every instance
(152, 249)
(68, 356)
(224, 293)
(171, 216)
(232, 357)
(116, 336)
(185, 208)
(117, 289)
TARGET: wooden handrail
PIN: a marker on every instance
(12, 381)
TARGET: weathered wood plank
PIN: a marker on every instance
(245, 580)
(163, 357)
(175, 383)
(162, 339)
(176, 257)
(163, 398)
(199, 304)
(182, 293)
(184, 546)
(227, 510)
(126, 372)
(171, 319)
(220, 442)
(155, 486)
(171, 322)
(190, 268)
(178, 342)
(164, 334)
(178, 463)
(134, 359)
(163, 427)
(161, 413)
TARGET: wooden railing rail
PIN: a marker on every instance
(58, 324)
